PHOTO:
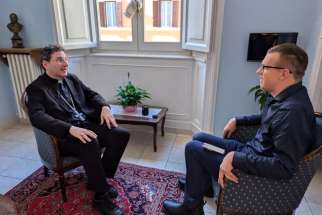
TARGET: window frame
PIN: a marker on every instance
(117, 46)
(137, 44)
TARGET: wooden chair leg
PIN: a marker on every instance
(219, 210)
(46, 173)
(62, 186)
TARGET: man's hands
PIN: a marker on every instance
(226, 168)
(86, 135)
(82, 134)
(230, 128)
(107, 117)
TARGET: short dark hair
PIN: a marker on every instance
(47, 51)
(294, 56)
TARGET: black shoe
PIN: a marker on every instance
(105, 205)
(112, 192)
(182, 183)
(174, 208)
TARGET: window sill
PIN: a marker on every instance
(180, 56)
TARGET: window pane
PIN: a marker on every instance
(111, 14)
(162, 20)
(166, 14)
(113, 25)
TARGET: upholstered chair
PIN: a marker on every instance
(48, 149)
(258, 195)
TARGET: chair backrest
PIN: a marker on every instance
(46, 149)
(24, 101)
(44, 141)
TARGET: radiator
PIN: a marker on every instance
(23, 70)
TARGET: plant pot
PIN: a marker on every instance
(130, 109)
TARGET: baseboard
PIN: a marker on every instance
(5, 124)
(195, 127)
(178, 124)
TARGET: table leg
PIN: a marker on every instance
(162, 126)
(155, 131)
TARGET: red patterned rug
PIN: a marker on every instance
(141, 191)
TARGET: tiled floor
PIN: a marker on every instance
(19, 158)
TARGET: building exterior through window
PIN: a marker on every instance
(161, 21)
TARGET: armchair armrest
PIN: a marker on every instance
(245, 133)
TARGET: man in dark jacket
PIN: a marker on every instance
(62, 106)
(285, 135)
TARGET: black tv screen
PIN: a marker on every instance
(259, 43)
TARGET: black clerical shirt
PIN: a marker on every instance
(286, 134)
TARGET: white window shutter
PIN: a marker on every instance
(75, 23)
(197, 16)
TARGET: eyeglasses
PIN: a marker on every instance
(61, 59)
(273, 67)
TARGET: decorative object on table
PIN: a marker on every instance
(141, 191)
(145, 110)
(129, 96)
(260, 95)
(15, 27)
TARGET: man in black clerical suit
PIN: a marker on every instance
(62, 106)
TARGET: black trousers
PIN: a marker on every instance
(96, 167)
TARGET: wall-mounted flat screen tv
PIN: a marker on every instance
(259, 43)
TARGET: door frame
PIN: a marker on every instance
(315, 87)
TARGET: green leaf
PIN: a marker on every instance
(255, 88)
(129, 94)
(260, 95)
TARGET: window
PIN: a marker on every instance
(113, 25)
(155, 27)
(166, 21)
(80, 24)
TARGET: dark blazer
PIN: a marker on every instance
(48, 112)
(285, 136)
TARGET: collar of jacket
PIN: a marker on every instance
(288, 91)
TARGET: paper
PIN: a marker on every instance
(213, 148)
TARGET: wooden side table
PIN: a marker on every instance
(138, 119)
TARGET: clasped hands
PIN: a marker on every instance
(86, 135)
(226, 165)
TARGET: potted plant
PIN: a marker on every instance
(260, 95)
(129, 96)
